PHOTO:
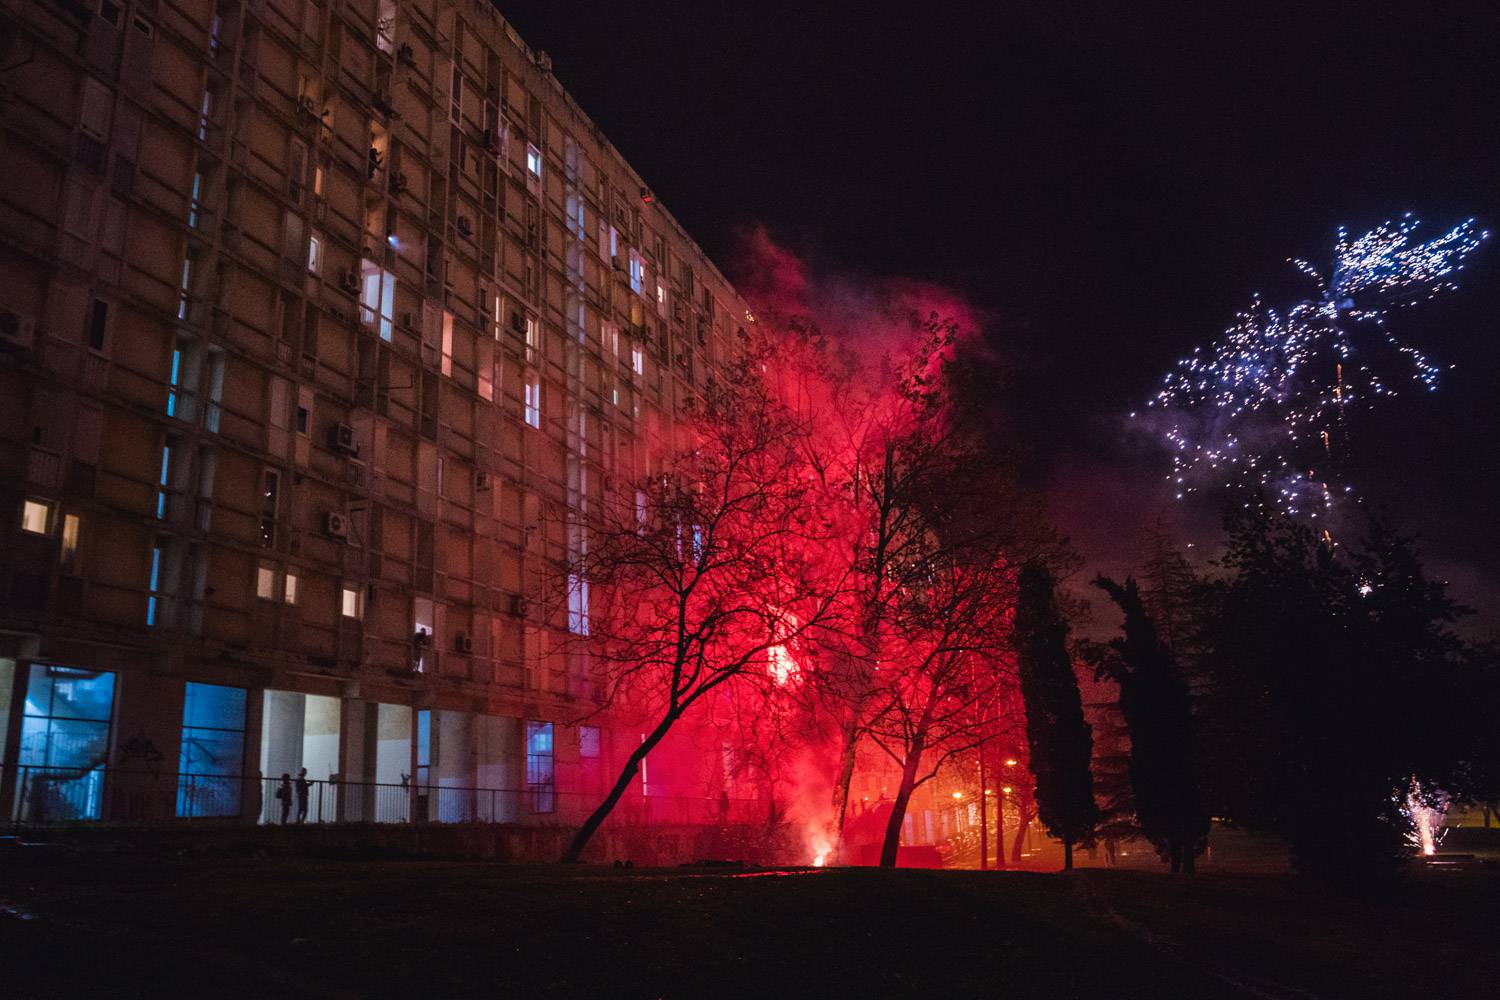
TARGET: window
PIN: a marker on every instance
(270, 488)
(162, 479)
(111, 12)
(217, 360)
(637, 358)
(153, 585)
(352, 604)
(98, 324)
(377, 298)
(69, 555)
(65, 737)
(211, 757)
(539, 767)
(485, 369)
(578, 604)
(289, 587)
(589, 742)
(533, 339)
(265, 582)
(661, 301)
(36, 516)
(314, 254)
(447, 348)
(533, 160)
(184, 287)
(205, 108)
(640, 510)
(533, 402)
(195, 204)
(174, 378)
(637, 271)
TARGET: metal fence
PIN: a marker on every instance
(45, 796)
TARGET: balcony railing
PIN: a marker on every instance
(52, 796)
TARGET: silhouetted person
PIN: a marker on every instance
(284, 793)
(303, 786)
(374, 162)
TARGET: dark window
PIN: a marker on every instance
(98, 322)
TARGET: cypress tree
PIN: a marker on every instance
(1059, 738)
(1154, 700)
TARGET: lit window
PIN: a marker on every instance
(196, 204)
(174, 378)
(540, 781)
(589, 742)
(212, 750)
(351, 602)
(265, 582)
(578, 605)
(153, 585)
(640, 509)
(661, 301)
(533, 410)
(533, 337)
(637, 359)
(314, 254)
(35, 514)
(377, 298)
(637, 271)
(318, 180)
(447, 358)
(165, 475)
(289, 589)
(533, 160)
(71, 524)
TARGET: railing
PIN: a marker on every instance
(47, 796)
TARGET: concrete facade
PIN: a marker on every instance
(310, 315)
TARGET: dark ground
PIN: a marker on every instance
(128, 925)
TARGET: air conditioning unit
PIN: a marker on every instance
(481, 479)
(422, 639)
(341, 439)
(349, 281)
(408, 320)
(405, 55)
(17, 331)
(520, 605)
(398, 182)
(462, 643)
(336, 525)
(464, 226)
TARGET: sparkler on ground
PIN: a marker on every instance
(1263, 406)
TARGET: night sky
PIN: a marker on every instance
(1109, 183)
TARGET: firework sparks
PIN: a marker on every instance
(1263, 405)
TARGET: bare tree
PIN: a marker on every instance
(697, 573)
(941, 680)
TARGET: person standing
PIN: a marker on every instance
(284, 794)
(303, 787)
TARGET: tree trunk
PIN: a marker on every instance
(1188, 864)
(1015, 849)
(898, 811)
(622, 783)
(1067, 854)
(1000, 833)
(850, 733)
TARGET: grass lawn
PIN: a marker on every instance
(126, 925)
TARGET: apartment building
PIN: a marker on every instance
(312, 313)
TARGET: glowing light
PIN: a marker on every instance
(958, 795)
(1005, 790)
(1424, 812)
(1264, 405)
(821, 849)
(1011, 762)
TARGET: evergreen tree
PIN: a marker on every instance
(1158, 713)
(1330, 675)
(1059, 739)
